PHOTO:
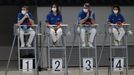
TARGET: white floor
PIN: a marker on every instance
(71, 71)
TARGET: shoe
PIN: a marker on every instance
(90, 45)
(119, 43)
(83, 45)
(28, 45)
(54, 43)
(116, 42)
(22, 45)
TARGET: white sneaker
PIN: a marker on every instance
(119, 43)
(116, 43)
(28, 45)
(22, 45)
(83, 45)
(90, 45)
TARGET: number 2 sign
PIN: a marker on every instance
(57, 65)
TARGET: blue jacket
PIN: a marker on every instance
(114, 18)
(26, 21)
(82, 15)
(53, 19)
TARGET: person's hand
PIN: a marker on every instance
(58, 25)
(87, 15)
(119, 24)
(17, 24)
(26, 16)
(80, 25)
(88, 23)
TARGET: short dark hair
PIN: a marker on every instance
(87, 5)
(116, 6)
(27, 7)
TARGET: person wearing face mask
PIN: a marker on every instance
(25, 18)
(54, 17)
(116, 18)
(86, 17)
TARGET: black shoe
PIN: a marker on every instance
(39, 68)
(54, 43)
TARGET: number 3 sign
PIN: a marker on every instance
(87, 64)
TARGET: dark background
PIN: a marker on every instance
(67, 2)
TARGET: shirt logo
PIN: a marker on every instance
(58, 19)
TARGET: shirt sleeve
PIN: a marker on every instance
(61, 18)
(31, 16)
(79, 17)
(48, 18)
(92, 15)
(109, 18)
(19, 17)
(122, 18)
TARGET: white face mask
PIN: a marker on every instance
(85, 10)
(23, 12)
(54, 9)
(115, 11)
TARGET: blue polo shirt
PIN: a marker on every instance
(82, 15)
(26, 21)
(114, 18)
(53, 19)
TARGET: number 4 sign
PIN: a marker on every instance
(87, 64)
(57, 65)
(118, 64)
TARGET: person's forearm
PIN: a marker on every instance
(31, 21)
(92, 21)
(21, 21)
(82, 21)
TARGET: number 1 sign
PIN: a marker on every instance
(27, 65)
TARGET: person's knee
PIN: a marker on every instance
(21, 32)
(122, 31)
(114, 30)
(82, 30)
(78, 29)
(94, 31)
(59, 31)
(52, 31)
(32, 32)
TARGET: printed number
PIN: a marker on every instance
(58, 64)
(27, 65)
(118, 65)
(88, 62)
